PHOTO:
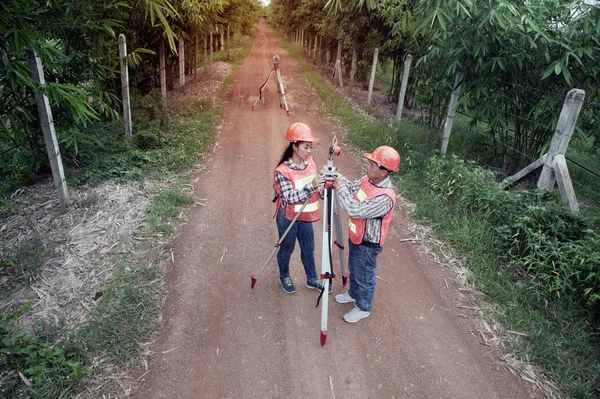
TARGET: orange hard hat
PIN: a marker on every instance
(386, 157)
(300, 132)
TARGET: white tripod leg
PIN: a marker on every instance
(339, 242)
(261, 90)
(282, 91)
(326, 269)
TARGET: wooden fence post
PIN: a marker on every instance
(163, 73)
(125, 85)
(372, 77)
(562, 134)
(45, 114)
(451, 111)
(407, 63)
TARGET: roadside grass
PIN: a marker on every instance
(57, 361)
(560, 335)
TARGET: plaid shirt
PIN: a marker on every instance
(288, 194)
(373, 209)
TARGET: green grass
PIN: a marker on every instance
(562, 334)
(166, 206)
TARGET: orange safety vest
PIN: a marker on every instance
(366, 191)
(299, 179)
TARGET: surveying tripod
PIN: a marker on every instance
(280, 90)
(329, 210)
(330, 173)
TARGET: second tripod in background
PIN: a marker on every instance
(280, 89)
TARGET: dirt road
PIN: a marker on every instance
(220, 339)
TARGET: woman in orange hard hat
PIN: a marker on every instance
(297, 181)
(369, 202)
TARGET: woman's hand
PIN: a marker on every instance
(318, 181)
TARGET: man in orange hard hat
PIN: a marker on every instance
(369, 202)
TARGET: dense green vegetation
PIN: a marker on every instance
(77, 43)
(518, 59)
(528, 254)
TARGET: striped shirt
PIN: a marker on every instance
(288, 194)
(373, 209)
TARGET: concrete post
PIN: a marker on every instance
(163, 73)
(352, 70)
(372, 77)
(181, 56)
(45, 114)
(451, 111)
(562, 135)
(407, 63)
(195, 58)
(125, 85)
(211, 45)
(205, 51)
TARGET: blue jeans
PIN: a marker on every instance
(303, 231)
(362, 264)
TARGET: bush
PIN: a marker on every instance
(558, 255)
(552, 251)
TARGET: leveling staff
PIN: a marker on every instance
(369, 202)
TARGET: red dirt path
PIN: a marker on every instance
(219, 339)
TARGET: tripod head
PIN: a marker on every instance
(329, 171)
(276, 61)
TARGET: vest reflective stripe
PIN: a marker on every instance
(357, 227)
(310, 207)
(303, 181)
(299, 179)
(360, 195)
(352, 226)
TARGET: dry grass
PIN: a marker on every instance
(78, 243)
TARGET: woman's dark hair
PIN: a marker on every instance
(289, 151)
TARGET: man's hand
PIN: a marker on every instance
(318, 181)
(339, 181)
